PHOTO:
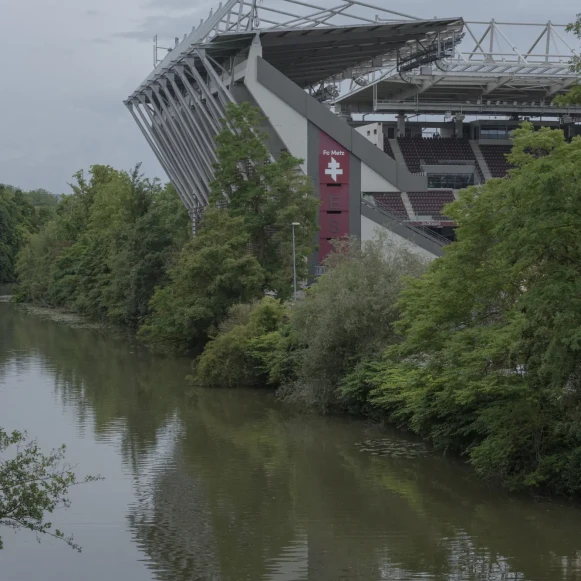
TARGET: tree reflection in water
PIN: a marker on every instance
(231, 485)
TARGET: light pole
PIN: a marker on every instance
(295, 261)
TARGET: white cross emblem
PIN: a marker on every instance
(334, 169)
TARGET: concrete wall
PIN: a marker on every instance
(373, 133)
(371, 181)
(289, 125)
(370, 229)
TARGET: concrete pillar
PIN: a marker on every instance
(401, 125)
(459, 126)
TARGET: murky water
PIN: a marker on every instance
(232, 486)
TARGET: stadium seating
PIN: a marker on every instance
(496, 160)
(391, 202)
(387, 147)
(435, 151)
(430, 203)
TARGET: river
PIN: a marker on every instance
(231, 485)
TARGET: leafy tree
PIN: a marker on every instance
(33, 485)
(489, 366)
(244, 247)
(573, 96)
(268, 194)
(42, 198)
(347, 318)
(108, 247)
(229, 358)
(215, 270)
(16, 223)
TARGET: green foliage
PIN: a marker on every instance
(17, 221)
(215, 270)
(268, 194)
(229, 359)
(244, 246)
(33, 485)
(108, 246)
(573, 96)
(347, 318)
(41, 198)
(489, 366)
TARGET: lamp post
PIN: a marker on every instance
(295, 261)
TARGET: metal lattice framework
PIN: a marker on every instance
(489, 72)
(180, 107)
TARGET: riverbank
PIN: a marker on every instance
(62, 315)
(314, 497)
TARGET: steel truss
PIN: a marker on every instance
(488, 60)
(180, 106)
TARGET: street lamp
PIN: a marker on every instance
(295, 261)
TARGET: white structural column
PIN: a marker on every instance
(160, 126)
(182, 145)
(166, 162)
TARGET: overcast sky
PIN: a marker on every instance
(67, 65)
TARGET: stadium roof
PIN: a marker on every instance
(492, 75)
(308, 56)
(311, 47)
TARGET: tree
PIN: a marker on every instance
(229, 359)
(268, 194)
(33, 485)
(573, 96)
(346, 319)
(16, 224)
(215, 270)
(109, 245)
(489, 366)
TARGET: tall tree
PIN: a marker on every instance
(108, 247)
(573, 96)
(490, 363)
(268, 194)
(16, 224)
(215, 270)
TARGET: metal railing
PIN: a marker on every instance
(403, 220)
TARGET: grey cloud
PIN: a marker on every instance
(164, 26)
(82, 120)
(165, 4)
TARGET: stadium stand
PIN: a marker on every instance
(430, 203)
(496, 160)
(387, 147)
(435, 151)
(391, 202)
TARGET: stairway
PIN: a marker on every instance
(397, 152)
(480, 159)
(408, 206)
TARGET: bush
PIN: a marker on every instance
(490, 362)
(229, 359)
(346, 319)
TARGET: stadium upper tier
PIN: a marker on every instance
(309, 56)
(492, 76)
(294, 60)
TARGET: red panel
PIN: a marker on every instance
(333, 225)
(334, 198)
(325, 249)
(333, 161)
(334, 177)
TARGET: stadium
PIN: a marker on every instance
(392, 114)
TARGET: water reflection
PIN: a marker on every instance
(233, 486)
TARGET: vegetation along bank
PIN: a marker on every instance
(477, 352)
